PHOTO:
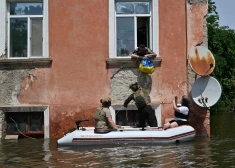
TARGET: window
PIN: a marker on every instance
(127, 117)
(26, 123)
(134, 23)
(26, 29)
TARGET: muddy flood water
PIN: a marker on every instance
(216, 151)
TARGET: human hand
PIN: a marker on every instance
(118, 126)
(145, 56)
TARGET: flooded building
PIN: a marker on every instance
(59, 58)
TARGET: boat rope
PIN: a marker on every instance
(119, 111)
(126, 116)
(19, 130)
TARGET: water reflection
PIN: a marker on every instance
(217, 151)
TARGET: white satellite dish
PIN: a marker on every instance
(201, 60)
(206, 91)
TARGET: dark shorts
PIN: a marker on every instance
(179, 122)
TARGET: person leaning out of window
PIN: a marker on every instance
(142, 52)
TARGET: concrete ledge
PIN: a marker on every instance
(129, 63)
(131, 106)
(30, 63)
(25, 108)
(11, 136)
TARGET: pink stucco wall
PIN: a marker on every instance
(78, 78)
(171, 78)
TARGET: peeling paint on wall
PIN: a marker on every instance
(73, 87)
(10, 81)
(2, 124)
(120, 82)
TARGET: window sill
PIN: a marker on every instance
(129, 62)
(31, 63)
(23, 108)
(131, 106)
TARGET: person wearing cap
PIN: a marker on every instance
(181, 113)
(102, 116)
(146, 113)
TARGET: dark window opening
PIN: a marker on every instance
(25, 123)
(143, 31)
(127, 117)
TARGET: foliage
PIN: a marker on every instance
(221, 42)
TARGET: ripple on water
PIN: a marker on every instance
(217, 151)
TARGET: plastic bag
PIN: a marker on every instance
(146, 66)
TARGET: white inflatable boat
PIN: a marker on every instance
(126, 135)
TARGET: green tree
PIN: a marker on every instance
(221, 42)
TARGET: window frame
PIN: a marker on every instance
(154, 24)
(27, 125)
(45, 41)
(115, 108)
(44, 109)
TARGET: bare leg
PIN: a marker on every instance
(173, 125)
(167, 125)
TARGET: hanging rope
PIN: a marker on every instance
(126, 116)
(20, 131)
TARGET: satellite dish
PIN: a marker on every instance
(206, 91)
(201, 60)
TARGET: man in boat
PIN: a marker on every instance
(102, 116)
(181, 113)
(142, 103)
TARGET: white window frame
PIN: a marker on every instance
(154, 27)
(4, 28)
(44, 109)
(156, 107)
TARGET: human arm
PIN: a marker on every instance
(175, 101)
(109, 118)
(150, 53)
(113, 125)
(136, 56)
(127, 101)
